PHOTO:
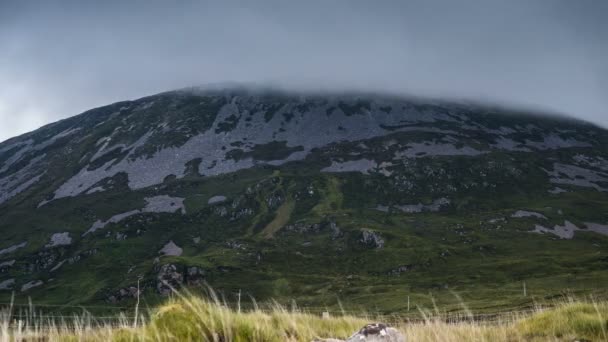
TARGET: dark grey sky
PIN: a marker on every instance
(59, 58)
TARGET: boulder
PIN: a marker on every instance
(376, 332)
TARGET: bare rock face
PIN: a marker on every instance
(376, 332)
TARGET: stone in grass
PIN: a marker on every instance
(171, 249)
(376, 332)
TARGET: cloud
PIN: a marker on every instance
(61, 58)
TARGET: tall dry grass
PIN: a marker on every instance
(192, 318)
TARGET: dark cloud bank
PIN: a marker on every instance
(60, 58)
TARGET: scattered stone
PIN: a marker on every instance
(301, 227)
(216, 199)
(376, 332)
(124, 293)
(418, 208)
(56, 267)
(171, 249)
(6, 264)
(59, 239)
(523, 213)
(401, 269)
(195, 276)
(557, 190)
(7, 284)
(235, 245)
(371, 238)
(336, 232)
(362, 166)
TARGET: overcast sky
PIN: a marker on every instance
(59, 58)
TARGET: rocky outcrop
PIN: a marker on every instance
(376, 332)
(171, 276)
(371, 238)
(168, 278)
(301, 227)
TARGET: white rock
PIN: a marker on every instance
(171, 249)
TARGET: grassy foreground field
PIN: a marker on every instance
(192, 318)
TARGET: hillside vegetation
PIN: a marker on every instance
(372, 201)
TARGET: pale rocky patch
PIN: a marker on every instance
(525, 213)
(157, 204)
(13, 248)
(59, 239)
(576, 175)
(598, 228)
(563, 232)
(216, 199)
(418, 208)
(29, 285)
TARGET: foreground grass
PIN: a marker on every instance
(198, 319)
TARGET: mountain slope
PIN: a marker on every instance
(364, 198)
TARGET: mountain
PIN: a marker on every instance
(371, 200)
